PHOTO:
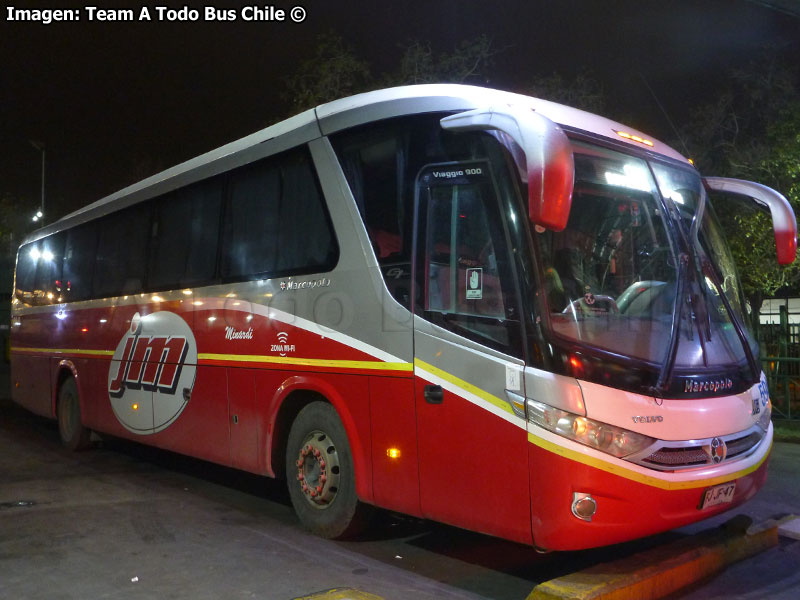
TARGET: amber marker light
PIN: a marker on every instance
(135, 406)
(634, 138)
(580, 426)
(393, 452)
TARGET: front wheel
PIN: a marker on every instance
(73, 434)
(320, 474)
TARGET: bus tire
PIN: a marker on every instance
(73, 434)
(320, 474)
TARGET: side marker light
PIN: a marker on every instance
(634, 138)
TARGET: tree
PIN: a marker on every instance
(335, 71)
(582, 91)
(14, 224)
(469, 62)
(752, 131)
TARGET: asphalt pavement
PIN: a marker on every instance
(127, 521)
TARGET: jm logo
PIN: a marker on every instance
(154, 359)
(149, 363)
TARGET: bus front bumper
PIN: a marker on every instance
(631, 502)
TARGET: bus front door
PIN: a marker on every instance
(472, 443)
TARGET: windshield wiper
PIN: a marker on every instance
(708, 270)
(665, 373)
(690, 242)
(694, 236)
(703, 269)
(711, 273)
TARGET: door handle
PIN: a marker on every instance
(434, 394)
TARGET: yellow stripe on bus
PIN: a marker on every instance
(309, 362)
(464, 385)
(64, 351)
(620, 471)
(282, 360)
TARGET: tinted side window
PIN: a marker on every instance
(305, 239)
(121, 251)
(27, 260)
(252, 221)
(463, 276)
(374, 162)
(465, 271)
(79, 259)
(381, 162)
(48, 270)
(276, 222)
(186, 231)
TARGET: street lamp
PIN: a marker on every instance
(40, 147)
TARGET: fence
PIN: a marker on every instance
(780, 351)
(783, 379)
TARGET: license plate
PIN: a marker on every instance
(719, 494)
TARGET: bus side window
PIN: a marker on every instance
(301, 203)
(465, 271)
(276, 222)
(121, 252)
(79, 258)
(27, 261)
(48, 271)
(463, 276)
(375, 163)
(381, 163)
(252, 221)
(186, 235)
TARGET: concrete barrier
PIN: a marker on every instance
(666, 569)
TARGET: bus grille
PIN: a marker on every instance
(672, 456)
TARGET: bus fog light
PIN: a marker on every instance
(583, 506)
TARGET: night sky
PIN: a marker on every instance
(114, 102)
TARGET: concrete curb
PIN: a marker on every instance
(340, 594)
(789, 527)
(666, 569)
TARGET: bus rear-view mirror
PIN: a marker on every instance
(550, 168)
(784, 222)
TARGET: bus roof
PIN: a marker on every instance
(382, 104)
(345, 113)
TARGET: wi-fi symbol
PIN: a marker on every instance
(282, 337)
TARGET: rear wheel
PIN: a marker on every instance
(320, 474)
(73, 434)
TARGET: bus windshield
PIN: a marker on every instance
(611, 276)
(682, 188)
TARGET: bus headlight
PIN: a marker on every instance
(607, 438)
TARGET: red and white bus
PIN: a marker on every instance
(452, 302)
